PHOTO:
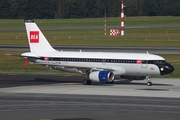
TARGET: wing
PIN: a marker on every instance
(86, 70)
(117, 70)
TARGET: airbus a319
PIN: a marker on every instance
(96, 66)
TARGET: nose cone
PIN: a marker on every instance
(166, 69)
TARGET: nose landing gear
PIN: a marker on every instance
(149, 83)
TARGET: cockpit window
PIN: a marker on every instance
(159, 61)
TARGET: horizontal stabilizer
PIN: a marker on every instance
(13, 55)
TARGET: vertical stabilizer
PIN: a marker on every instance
(36, 39)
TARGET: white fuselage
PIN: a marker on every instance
(118, 63)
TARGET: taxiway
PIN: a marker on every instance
(65, 98)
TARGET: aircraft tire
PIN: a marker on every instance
(86, 82)
(149, 83)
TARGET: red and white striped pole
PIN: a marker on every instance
(105, 23)
(122, 18)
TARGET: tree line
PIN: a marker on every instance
(86, 8)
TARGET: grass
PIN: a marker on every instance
(133, 37)
(152, 21)
(129, 21)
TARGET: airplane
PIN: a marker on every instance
(96, 66)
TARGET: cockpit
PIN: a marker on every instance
(157, 62)
(164, 67)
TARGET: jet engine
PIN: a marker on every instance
(101, 76)
(134, 77)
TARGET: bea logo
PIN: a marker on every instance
(34, 36)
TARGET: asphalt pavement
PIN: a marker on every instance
(38, 97)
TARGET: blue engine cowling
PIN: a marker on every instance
(101, 76)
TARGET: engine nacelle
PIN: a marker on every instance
(101, 76)
(134, 77)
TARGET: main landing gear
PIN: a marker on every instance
(87, 82)
(149, 83)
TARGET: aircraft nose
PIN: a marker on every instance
(166, 69)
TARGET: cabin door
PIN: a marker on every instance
(144, 63)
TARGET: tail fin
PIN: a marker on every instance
(36, 39)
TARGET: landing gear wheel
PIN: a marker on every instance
(86, 82)
(149, 83)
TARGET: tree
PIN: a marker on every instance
(86, 8)
(4, 8)
(132, 7)
(41, 9)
